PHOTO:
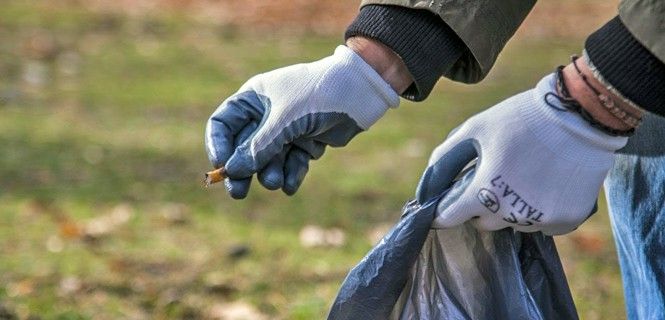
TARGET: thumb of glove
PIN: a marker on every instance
(446, 163)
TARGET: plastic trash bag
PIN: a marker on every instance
(416, 272)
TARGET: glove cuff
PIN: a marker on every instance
(363, 81)
(566, 133)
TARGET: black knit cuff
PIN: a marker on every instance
(628, 66)
(425, 43)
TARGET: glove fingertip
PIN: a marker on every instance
(272, 175)
(297, 167)
(237, 189)
(289, 190)
(291, 186)
(293, 182)
(272, 181)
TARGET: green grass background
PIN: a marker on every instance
(116, 117)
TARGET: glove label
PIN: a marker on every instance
(489, 200)
(522, 213)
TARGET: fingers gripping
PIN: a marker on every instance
(295, 169)
(225, 124)
(238, 188)
(272, 175)
(460, 203)
(269, 141)
(446, 162)
(286, 170)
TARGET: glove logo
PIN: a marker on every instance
(489, 200)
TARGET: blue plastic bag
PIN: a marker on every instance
(458, 273)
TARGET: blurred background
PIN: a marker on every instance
(102, 112)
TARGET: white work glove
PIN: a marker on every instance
(539, 168)
(280, 120)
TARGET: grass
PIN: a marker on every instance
(111, 121)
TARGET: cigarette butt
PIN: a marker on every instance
(214, 176)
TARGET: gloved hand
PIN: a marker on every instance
(291, 115)
(539, 168)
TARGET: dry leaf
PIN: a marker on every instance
(235, 311)
(314, 236)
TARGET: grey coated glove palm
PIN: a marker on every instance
(278, 121)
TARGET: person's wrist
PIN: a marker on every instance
(580, 91)
(382, 59)
(567, 134)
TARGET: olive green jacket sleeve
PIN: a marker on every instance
(483, 25)
(645, 19)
